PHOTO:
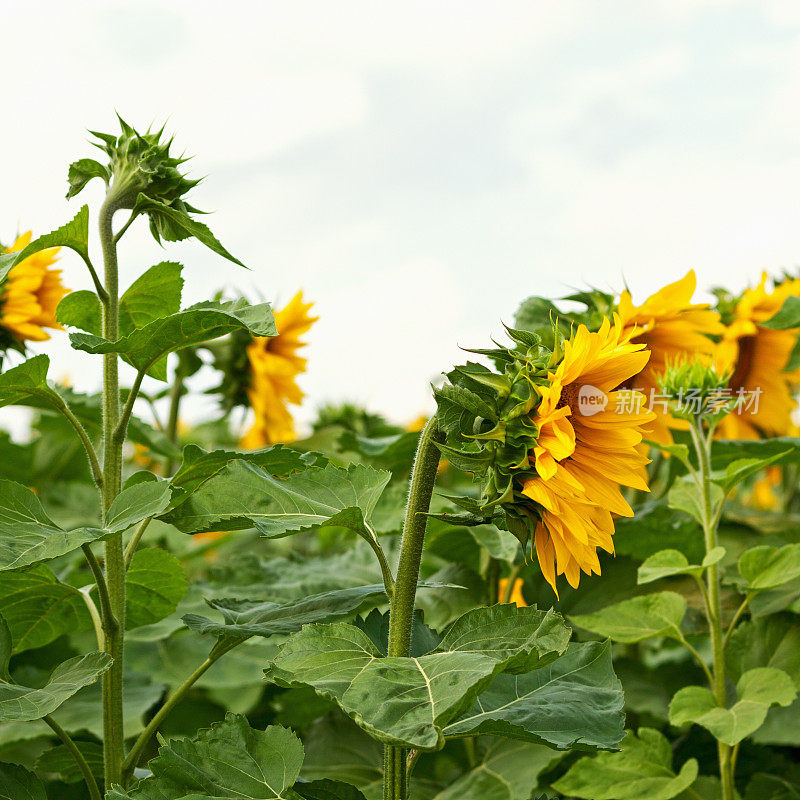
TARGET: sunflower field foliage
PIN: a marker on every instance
(578, 578)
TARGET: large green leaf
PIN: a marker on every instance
(39, 608)
(22, 703)
(200, 323)
(650, 616)
(743, 468)
(60, 761)
(155, 584)
(229, 761)
(642, 769)
(757, 690)
(16, 783)
(327, 790)
(199, 466)
(787, 317)
(767, 567)
(574, 702)
(243, 495)
(408, 701)
(28, 535)
(507, 771)
(656, 527)
(246, 618)
(82, 310)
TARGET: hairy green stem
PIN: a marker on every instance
(130, 550)
(113, 740)
(91, 783)
(109, 621)
(91, 454)
(423, 478)
(175, 395)
(711, 516)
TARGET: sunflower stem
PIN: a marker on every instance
(113, 741)
(711, 513)
(401, 612)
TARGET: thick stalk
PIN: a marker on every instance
(423, 478)
(710, 520)
(113, 741)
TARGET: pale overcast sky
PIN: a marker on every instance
(418, 168)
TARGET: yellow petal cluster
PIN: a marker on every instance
(757, 357)
(583, 460)
(30, 294)
(673, 329)
(274, 368)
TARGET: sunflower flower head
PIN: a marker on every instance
(696, 388)
(29, 295)
(673, 329)
(759, 360)
(551, 440)
(261, 373)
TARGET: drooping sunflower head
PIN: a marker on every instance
(759, 358)
(261, 373)
(672, 328)
(552, 440)
(29, 296)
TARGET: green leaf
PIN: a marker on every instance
(771, 787)
(28, 535)
(75, 235)
(507, 771)
(174, 225)
(768, 567)
(6, 649)
(228, 760)
(16, 783)
(786, 449)
(574, 702)
(82, 171)
(143, 347)
(38, 608)
(757, 689)
(328, 790)
(656, 527)
(199, 466)
(743, 468)
(668, 563)
(685, 495)
(243, 495)
(651, 616)
(82, 310)
(246, 618)
(787, 317)
(60, 761)
(340, 662)
(643, 768)
(765, 642)
(26, 385)
(136, 503)
(156, 293)
(22, 704)
(155, 584)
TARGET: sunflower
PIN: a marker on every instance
(673, 329)
(757, 357)
(30, 294)
(516, 596)
(582, 459)
(274, 367)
